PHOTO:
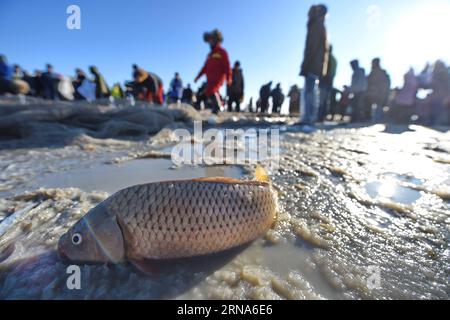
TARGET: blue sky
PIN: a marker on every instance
(267, 36)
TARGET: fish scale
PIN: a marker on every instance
(188, 218)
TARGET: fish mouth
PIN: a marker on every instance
(62, 255)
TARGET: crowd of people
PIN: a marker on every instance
(368, 97)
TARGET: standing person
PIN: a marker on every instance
(37, 84)
(277, 98)
(315, 61)
(176, 89)
(344, 102)
(200, 97)
(101, 88)
(80, 77)
(6, 77)
(250, 105)
(404, 102)
(19, 79)
(378, 89)
(426, 76)
(50, 81)
(217, 70)
(440, 97)
(294, 100)
(235, 92)
(326, 86)
(117, 91)
(264, 96)
(148, 86)
(358, 90)
(188, 95)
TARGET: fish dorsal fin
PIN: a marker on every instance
(219, 180)
(261, 175)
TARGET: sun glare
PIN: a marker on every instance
(420, 35)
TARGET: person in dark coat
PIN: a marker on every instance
(201, 97)
(440, 97)
(101, 88)
(188, 95)
(37, 84)
(50, 81)
(315, 61)
(80, 76)
(147, 86)
(264, 96)
(277, 98)
(378, 90)
(235, 92)
(326, 87)
(294, 100)
(358, 90)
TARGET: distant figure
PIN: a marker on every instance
(80, 77)
(326, 87)
(426, 77)
(188, 95)
(440, 98)
(21, 80)
(148, 86)
(250, 105)
(277, 98)
(235, 92)
(358, 90)
(101, 88)
(17, 72)
(403, 105)
(201, 97)
(37, 85)
(217, 70)
(294, 100)
(315, 61)
(117, 91)
(29, 79)
(176, 89)
(344, 102)
(264, 96)
(378, 90)
(6, 77)
(50, 81)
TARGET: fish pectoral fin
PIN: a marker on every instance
(145, 267)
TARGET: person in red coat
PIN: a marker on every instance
(217, 70)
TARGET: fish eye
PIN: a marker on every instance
(77, 239)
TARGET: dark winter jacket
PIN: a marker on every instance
(315, 59)
(237, 87)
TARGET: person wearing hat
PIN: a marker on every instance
(101, 87)
(315, 61)
(148, 86)
(217, 69)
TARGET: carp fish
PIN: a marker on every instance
(172, 220)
